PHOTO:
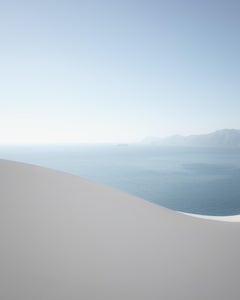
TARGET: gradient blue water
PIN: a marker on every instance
(196, 180)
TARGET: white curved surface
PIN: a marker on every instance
(65, 238)
(234, 218)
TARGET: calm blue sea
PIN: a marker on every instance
(195, 180)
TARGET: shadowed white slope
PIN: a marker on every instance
(65, 238)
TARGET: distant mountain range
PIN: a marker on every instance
(220, 138)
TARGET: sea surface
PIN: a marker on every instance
(195, 180)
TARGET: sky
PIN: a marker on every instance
(117, 71)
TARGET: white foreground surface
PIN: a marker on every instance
(65, 238)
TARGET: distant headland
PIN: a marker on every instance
(219, 138)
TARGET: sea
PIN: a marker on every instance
(189, 179)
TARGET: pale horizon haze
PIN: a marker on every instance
(117, 71)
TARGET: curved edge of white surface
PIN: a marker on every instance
(232, 218)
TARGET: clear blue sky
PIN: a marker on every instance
(90, 71)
